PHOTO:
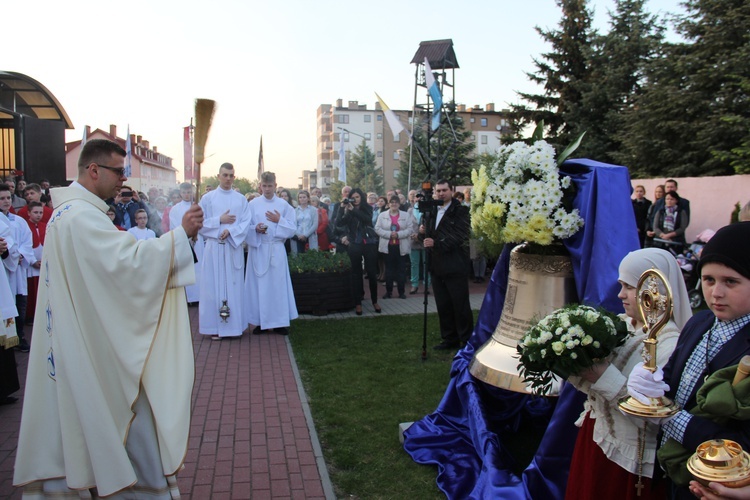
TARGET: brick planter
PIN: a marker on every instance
(321, 293)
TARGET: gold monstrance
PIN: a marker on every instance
(654, 297)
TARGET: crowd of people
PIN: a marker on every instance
(227, 255)
(661, 223)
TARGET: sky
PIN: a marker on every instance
(267, 64)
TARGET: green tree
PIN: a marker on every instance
(693, 117)
(362, 170)
(450, 149)
(563, 73)
(617, 66)
(334, 188)
(244, 185)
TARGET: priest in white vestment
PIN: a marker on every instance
(224, 230)
(269, 298)
(175, 219)
(107, 404)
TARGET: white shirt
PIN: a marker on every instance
(441, 212)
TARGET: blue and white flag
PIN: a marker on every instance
(434, 90)
(128, 154)
(342, 160)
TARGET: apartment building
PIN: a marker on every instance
(149, 168)
(358, 124)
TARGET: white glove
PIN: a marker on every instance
(642, 384)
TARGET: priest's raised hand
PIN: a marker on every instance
(192, 221)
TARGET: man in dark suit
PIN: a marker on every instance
(446, 237)
(711, 340)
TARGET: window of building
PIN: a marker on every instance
(380, 136)
(341, 118)
(484, 139)
(395, 173)
(396, 156)
(380, 118)
(473, 138)
(368, 136)
(471, 120)
(484, 122)
(368, 118)
(397, 138)
(380, 154)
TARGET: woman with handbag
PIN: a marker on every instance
(357, 235)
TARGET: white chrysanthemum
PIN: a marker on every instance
(576, 331)
(586, 340)
(573, 355)
(565, 320)
(596, 344)
(565, 182)
(610, 324)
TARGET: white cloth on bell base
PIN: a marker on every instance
(269, 298)
(175, 220)
(223, 263)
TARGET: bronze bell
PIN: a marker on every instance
(537, 286)
(224, 311)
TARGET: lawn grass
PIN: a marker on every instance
(364, 376)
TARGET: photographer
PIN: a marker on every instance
(357, 235)
(446, 238)
(127, 203)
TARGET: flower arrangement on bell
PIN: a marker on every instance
(566, 342)
(522, 197)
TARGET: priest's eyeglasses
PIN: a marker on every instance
(119, 171)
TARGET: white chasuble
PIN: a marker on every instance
(269, 297)
(222, 270)
(175, 221)
(112, 328)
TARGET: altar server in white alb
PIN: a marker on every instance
(107, 405)
(175, 219)
(226, 221)
(269, 299)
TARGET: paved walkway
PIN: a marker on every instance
(252, 435)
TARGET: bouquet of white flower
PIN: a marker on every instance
(566, 342)
(520, 197)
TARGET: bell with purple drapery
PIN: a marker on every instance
(463, 436)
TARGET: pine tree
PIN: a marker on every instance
(618, 64)
(693, 118)
(563, 73)
(362, 170)
(452, 155)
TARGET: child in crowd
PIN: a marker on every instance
(38, 230)
(140, 231)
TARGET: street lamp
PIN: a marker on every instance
(364, 149)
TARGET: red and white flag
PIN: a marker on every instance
(188, 151)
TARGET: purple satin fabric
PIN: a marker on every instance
(459, 437)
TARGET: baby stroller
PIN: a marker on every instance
(687, 258)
